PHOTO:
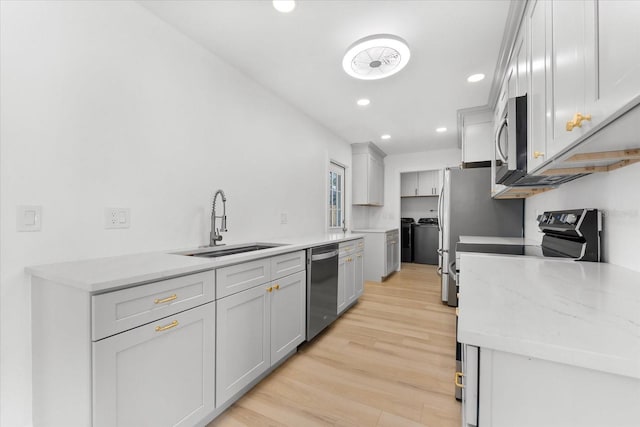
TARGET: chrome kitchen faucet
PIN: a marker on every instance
(215, 233)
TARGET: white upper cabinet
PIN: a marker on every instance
(535, 22)
(423, 183)
(613, 55)
(409, 184)
(368, 174)
(567, 85)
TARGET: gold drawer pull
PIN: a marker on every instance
(577, 121)
(458, 380)
(276, 287)
(537, 154)
(165, 327)
(269, 289)
(167, 299)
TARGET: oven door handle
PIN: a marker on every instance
(503, 125)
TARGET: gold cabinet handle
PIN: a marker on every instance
(167, 299)
(458, 380)
(269, 289)
(537, 154)
(276, 287)
(359, 256)
(577, 121)
(165, 327)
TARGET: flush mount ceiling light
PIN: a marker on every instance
(363, 102)
(376, 57)
(385, 136)
(440, 130)
(475, 78)
(284, 6)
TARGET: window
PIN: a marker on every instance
(336, 196)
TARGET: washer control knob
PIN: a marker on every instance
(571, 219)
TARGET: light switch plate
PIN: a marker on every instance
(117, 218)
(29, 218)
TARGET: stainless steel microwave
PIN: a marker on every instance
(511, 142)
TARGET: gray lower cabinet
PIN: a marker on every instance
(288, 315)
(359, 274)
(158, 374)
(256, 328)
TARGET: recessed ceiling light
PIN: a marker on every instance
(376, 57)
(385, 136)
(363, 102)
(284, 6)
(440, 130)
(475, 78)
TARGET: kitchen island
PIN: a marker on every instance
(549, 342)
(166, 338)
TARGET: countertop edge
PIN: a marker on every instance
(63, 272)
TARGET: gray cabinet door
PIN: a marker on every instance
(159, 374)
(288, 314)
(242, 346)
(359, 274)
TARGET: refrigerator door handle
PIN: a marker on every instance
(440, 203)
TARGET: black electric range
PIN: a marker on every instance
(573, 235)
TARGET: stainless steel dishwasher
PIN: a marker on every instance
(322, 288)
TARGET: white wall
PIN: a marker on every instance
(616, 194)
(104, 105)
(419, 207)
(389, 214)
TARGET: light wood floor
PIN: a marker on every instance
(389, 361)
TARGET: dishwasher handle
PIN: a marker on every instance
(325, 255)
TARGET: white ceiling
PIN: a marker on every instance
(298, 56)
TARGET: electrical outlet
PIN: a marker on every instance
(117, 218)
(283, 218)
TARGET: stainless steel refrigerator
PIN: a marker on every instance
(465, 208)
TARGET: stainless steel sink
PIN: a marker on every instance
(230, 250)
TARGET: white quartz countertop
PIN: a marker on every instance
(584, 314)
(492, 240)
(375, 230)
(106, 274)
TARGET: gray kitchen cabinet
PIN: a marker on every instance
(158, 374)
(142, 355)
(359, 273)
(428, 183)
(391, 252)
(256, 328)
(612, 57)
(409, 184)
(346, 276)
(380, 252)
(242, 340)
(567, 45)
(423, 183)
(368, 174)
(493, 396)
(536, 21)
(288, 315)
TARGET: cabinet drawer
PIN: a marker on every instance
(236, 278)
(118, 311)
(283, 265)
(359, 245)
(347, 248)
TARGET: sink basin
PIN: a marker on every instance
(232, 250)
